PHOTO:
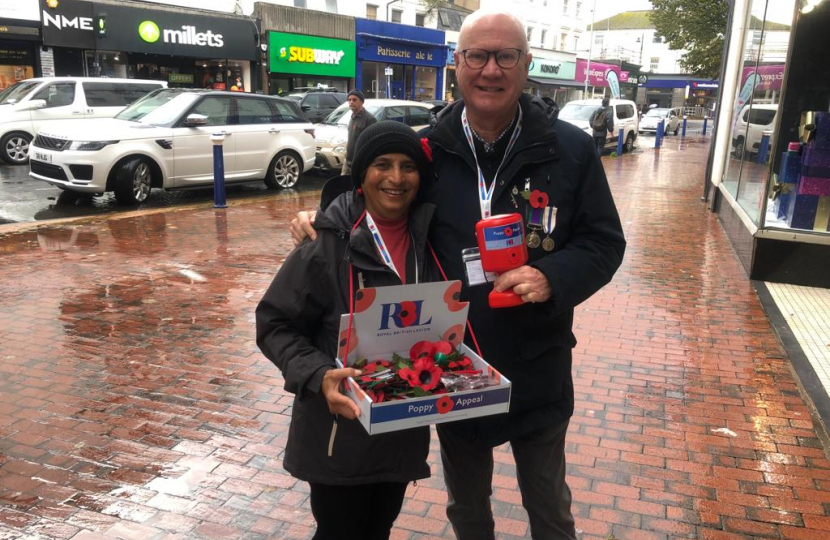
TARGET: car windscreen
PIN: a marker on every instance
(574, 111)
(17, 91)
(158, 108)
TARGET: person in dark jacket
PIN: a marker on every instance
(360, 120)
(534, 165)
(600, 135)
(357, 481)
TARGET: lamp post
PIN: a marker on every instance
(590, 50)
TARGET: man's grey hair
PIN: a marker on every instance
(480, 14)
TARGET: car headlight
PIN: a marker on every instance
(90, 145)
(340, 150)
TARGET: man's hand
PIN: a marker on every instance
(338, 403)
(527, 282)
(302, 226)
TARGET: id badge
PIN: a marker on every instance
(472, 266)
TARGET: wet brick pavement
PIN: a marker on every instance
(134, 404)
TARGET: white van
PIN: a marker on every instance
(750, 126)
(625, 116)
(28, 105)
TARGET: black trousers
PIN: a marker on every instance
(599, 142)
(364, 512)
(540, 470)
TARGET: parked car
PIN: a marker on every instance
(670, 117)
(332, 133)
(29, 105)
(752, 122)
(164, 141)
(625, 117)
(317, 103)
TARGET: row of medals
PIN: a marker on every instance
(534, 239)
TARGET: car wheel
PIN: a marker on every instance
(284, 171)
(739, 148)
(628, 147)
(14, 148)
(133, 181)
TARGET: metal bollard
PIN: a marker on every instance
(685, 118)
(763, 149)
(658, 136)
(620, 141)
(705, 121)
(218, 139)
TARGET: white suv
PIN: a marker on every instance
(625, 117)
(30, 105)
(164, 141)
(752, 122)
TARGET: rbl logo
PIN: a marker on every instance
(402, 315)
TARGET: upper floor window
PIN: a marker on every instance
(544, 37)
(657, 38)
(578, 9)
(420, 19)
(565, 7)
(371, 11)
(396, 15)
(655, 63)
(529, 34)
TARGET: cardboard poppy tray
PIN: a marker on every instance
(391, 320)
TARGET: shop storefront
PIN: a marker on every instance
(19, 40)
(601, 76)
(451, 90)
(186, 48)
(296, 61)
(770, 160)
(554, 78)
(399, 61)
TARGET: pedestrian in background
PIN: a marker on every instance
(360, 120)
(602, 122)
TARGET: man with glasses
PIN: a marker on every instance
(498, 151)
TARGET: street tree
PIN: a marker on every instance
(696, 26)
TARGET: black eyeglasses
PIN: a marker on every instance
(505, 58)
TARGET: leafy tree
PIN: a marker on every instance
(698, 26)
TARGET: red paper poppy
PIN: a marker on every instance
(464, 363)
(538, 199)
(424, 374)
(441, 349)
(371, 367)
(422, 349)
(452, 297)
(364, 298)
(377, 397)
(341, 351)
(444, 404)
(408, 314)
(454, 334)
(427, 149)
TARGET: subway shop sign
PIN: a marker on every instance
(310, 55)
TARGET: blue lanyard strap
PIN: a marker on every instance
(485, 195)
(383, 250)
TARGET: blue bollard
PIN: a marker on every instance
(658, 137)
(218, 139)
(684, 126)
(763, 149)
(705, 121)
(620, 142)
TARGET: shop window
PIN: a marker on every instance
(755, 109)
(284, 113)
(396, 15)
(420, 19)
(371, 11)
(216, 108)
(57, 94)
(254, 111)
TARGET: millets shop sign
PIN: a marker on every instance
(310, 55)
(91, 25)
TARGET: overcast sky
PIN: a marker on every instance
(780, 11)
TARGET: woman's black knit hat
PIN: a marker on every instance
(389, 137)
